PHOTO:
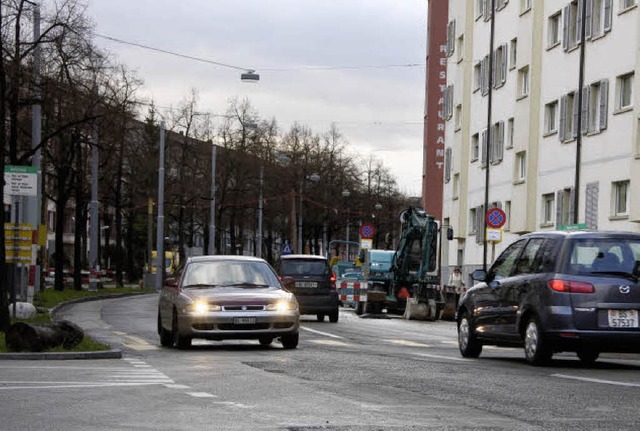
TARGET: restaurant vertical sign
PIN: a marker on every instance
(434, 122)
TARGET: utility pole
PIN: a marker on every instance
(160, 232)
(212, 216)
(149, 234)
(260, 209)
(583, 42)
(95, 233)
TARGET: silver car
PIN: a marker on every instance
(227, 297)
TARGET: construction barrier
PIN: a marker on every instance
(352, 291)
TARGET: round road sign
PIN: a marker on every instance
(367, 231)
(496, 218)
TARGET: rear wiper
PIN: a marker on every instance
(248, 285)
(620, 273)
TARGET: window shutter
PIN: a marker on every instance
(500, 140)
(563, 119)
(453, 36)
(572, 202)
(483, 156)
(480, 224)
(559, 194)
(494, 69)
(576, 112)
(449, 102)
(607, 15)
(588, 27)
(604, 103)
(447, 165)
(487, 10)
(585, 110)
(565, 28)
(591, 206)
(483, 66)
(579, 22)
(505, 50)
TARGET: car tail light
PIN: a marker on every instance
(280, 277)
(571, 286)
(333, 281)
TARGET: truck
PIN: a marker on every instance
(413, 277)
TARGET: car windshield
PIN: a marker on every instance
(604, 256)
(381, 256)
(294, 267)
(226, 273)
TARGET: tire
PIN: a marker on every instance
(588, 356)
(265, 341)
(360, 308)
(334, 316)
(290, 341)
(179, 341)
(166, 337)
(468, 342)
(536, 349)
(320, 317)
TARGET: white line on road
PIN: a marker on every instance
(326, 334)
(201, 394)
(407, 343)
(587, 379)
(448, 358)
(91, 385)
(173, 386)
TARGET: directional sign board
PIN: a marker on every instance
(20, 180)
(18, 242)
(367, 231)
(496, 218)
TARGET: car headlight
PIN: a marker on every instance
(200, 306)
(282, 306)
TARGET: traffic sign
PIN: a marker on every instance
(286, 248)
(366, 244)
(496, 218)
(494, 235)
(367, 231)
(20, 180)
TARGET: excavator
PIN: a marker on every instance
(414, 280)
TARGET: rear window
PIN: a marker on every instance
(381, 256)
(603, 254)
(304, 267)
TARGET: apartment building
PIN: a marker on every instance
(534, 120)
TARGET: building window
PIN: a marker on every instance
(567, 127)
(547, 209)
(477, 76)
(598, 106)
(480, 8)
(473, 221)
(501, 4)
(620, 197)
(550, 115)
(475, 147)
(458, 117)
(510, 127)
(521, 166)
(500, 66)
(447, 165)
(627, 4)
(451, 38)
(625, 91)
(525, 5)
(507, 213)
(553, 30)
(484, 75)
(513, 53)
(456, 186)
(523, 82)
(570, 28)
(460, 48)
(564, 207)
(497, 142)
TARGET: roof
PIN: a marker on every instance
(222, 257)
(302, 256)
(585, 234)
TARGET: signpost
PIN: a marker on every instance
(495, 218)
(20, 180)
(367, 231)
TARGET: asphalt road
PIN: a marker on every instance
(357, 374)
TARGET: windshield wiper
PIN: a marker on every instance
(620, 273)
(201, 286)
(248, 285)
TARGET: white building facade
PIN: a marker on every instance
(533, 146)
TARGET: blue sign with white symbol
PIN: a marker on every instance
(286, 248)
(496, 218)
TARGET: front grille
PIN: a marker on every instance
(232, 327)
(204, 326)
(243, 307)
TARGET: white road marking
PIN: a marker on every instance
(231, 404)
(329, 342)
(407, 343)
(588, 379)
(448, 358)
(326, 334)
(455, 343)
(201, 395)
(75, 386)
(173, 386)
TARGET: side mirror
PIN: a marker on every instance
(450, 233)
(288, 282)
(171, 282)
(479, 275)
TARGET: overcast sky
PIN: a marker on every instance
(379, 110)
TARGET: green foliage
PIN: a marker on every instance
(50, 297)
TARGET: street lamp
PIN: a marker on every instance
(314, 178)
(378, 207)
(345, 194)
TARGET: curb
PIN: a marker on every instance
(103, 354)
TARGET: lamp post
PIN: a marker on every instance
(314, 178)
(345, 194)
(378, 207)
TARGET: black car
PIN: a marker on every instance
(557, 291)
(311, 281)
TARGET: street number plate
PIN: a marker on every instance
(623, 318)
(306, 284)
(244, 320)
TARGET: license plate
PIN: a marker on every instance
(244, 320)
(623, 318)
(306, 284)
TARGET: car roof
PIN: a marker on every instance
(302, 256)
(224, 257)
(583, 234)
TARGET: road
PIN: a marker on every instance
(357, 374)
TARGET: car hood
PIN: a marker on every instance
(228, 295)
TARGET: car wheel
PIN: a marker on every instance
(334, 316)
(179, 341)
(588, 356)
(320, 317)
(290, 341)
(166, 337)
(360, 308)
(536, 349)
(468, 342)
(266, 341)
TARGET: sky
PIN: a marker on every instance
(305, 52)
